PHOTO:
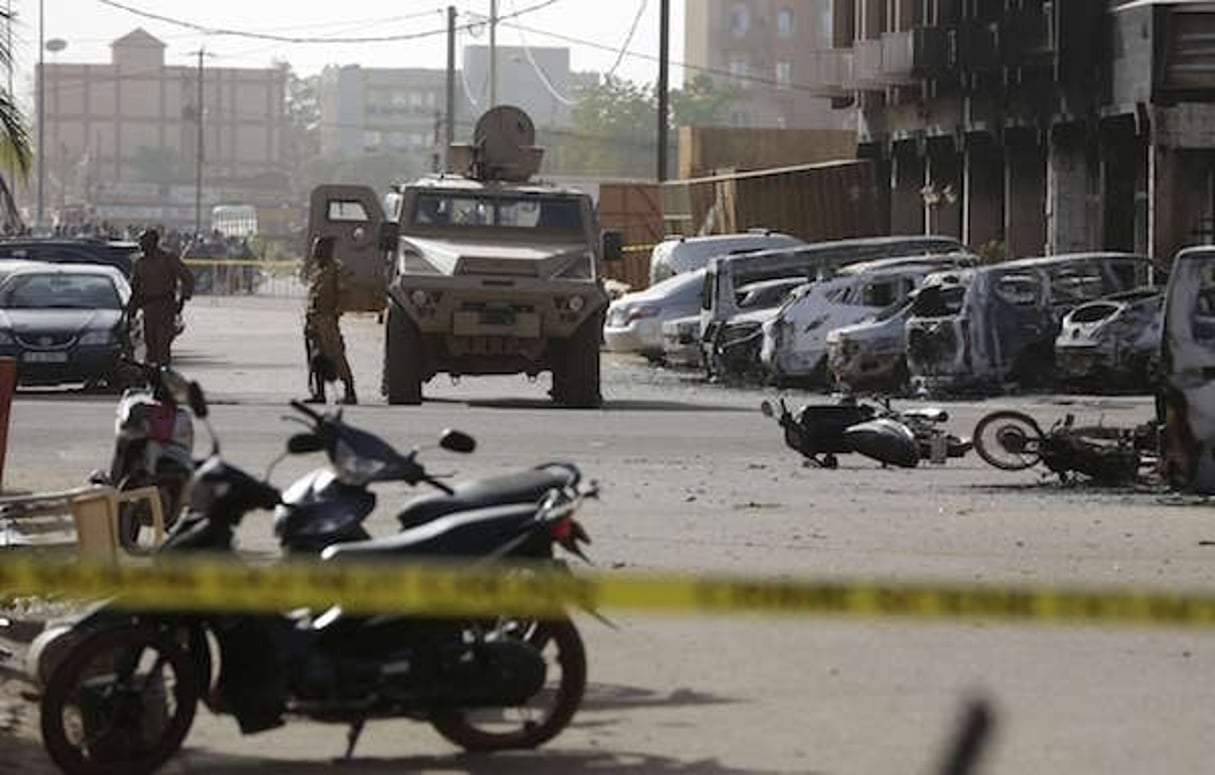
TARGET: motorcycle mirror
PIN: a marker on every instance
(304, 443)
(198, 402)
(455, 441)
(765, 407)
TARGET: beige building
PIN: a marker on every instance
(121, 138)
(770, 50)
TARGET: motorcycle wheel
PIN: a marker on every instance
(1008, 440)
(547, 712)
(122, 701)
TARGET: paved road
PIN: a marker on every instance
(695, 479)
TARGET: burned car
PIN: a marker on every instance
(681, 342)
(1187, 406)
(733, 348)
(1005, 328)
(872, 354)
(1113, 342)
(794, 347)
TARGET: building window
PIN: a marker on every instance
(826, 24)
(784, 74)
(738, 69)
(740, 20)
(372, 141)
(739, 118)
(784, 23)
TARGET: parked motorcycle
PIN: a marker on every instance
(1013, 441)
(327, 506)
(153, 446)
(124, 695)
(822, 432)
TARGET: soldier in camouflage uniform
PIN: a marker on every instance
(321, 322)
(156, 280)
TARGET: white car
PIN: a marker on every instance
(1114, 341)
(634, 321)
(676, 255)
(681, 342)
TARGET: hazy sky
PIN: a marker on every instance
(88, 27)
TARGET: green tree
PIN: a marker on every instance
(702, 102)
(15, 152)
(612, 131)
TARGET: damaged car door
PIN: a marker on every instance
(1187, 402)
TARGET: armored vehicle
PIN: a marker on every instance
(481, 271)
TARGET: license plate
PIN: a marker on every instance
(35, 356)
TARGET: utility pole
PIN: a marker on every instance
(493, 53)
(449, 129)
(198, 153)
(664, 67)
(41, 113)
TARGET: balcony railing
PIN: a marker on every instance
(830, 72)
(867, 64)
(911, 55)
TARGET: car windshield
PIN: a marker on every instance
(59, 291)
(530, 212)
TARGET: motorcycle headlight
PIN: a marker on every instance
(96, 338)
(353, 469)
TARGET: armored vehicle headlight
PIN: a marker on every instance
(420, 298)
(575, 303)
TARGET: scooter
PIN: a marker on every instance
(153, 446)
(124, 695)
(328, 506)
(821, 432)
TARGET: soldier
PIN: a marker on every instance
(321, 323)
(155, 283)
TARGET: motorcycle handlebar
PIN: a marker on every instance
(304, 409)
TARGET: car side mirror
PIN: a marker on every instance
(198, 401)
(389, 236)
(765, 408)
(613, 245)
(455, 441)
(305, 443)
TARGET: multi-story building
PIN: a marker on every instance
(366, 110)
(770, 50)
(122, 137)
(373, 110)
(1036, 126)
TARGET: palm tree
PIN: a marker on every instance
(15, 152)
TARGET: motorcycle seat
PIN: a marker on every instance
(928, 414)
(476, 533)
(523, 487)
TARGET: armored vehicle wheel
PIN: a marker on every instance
(576, 371)
(402, 358)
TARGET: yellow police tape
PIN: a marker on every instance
(409, 587)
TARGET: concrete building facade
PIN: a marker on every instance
(1037, 126)
(121, 137)
(374, 110)
(773, 52)
(371, 110)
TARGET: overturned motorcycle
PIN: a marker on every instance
(1107, 455)
(821, 432)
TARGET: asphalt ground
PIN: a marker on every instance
(694, 478)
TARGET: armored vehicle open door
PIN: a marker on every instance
(354, 217)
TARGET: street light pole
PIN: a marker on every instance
(198, 154)
(41, 112)
(493, 53)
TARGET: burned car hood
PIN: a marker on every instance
(496, 257)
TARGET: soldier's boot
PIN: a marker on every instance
(350, 397)
(318, 394)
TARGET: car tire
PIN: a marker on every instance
(576, 370)
(402, 358)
